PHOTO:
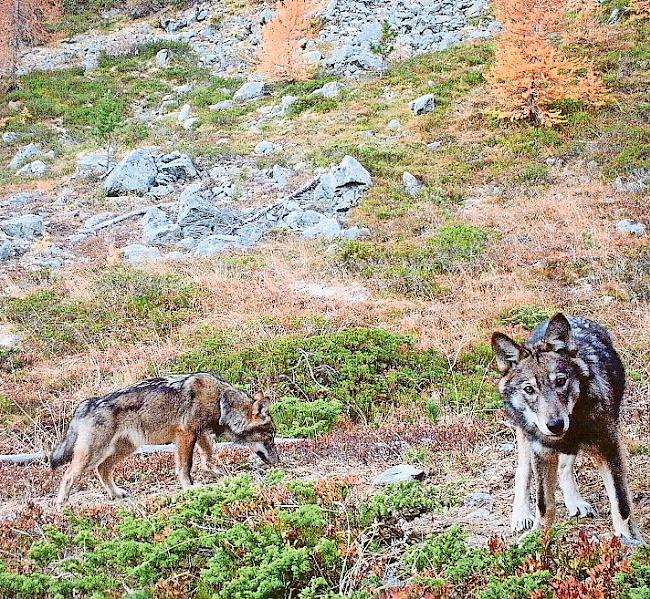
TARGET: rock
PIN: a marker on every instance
(9, 137)
(225, 105)
(22, 198)
(137, 254)
(329, 90)
(631, 227)
(136, 173)
(157, 227)
(94, 164)
(412, 184)
(423, 104)
(371, 33)
(313, 57)
(394, 125)
(354, 233)
(184, 113)
(191, 124)
(215, 244)
(346, 182)
(634, 184)
(249, 235)
(167, 106)
(24, 227)
(91, 62)
(33, 169)
(326, 228)
(281, 176)
(251, 91)
(398, 474)
(434, 146)
(14, 105)
(8, 250)
(197, 217)
(480, 500)
(163, 58)
(93, 221)
(266, 147)
(24, 155)
(507, 447)
(174, 167)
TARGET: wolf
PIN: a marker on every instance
(185, 410)
(562, 390)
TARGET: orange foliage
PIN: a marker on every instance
(281, 57)
(531, 72)
(639, 10)
(22, 23)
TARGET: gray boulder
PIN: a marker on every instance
(398, 474)
(631, 227)
(423, 104)
(285, 106)
(347, 182)
(24, 227)
(37, 168)
(8, 250)
(480, 500)
(412, 184)
(224, 105)
(326, 227)
(215, 244)
(91, 222)
(394, 125)
(266, 147)
(281, 176)
(163, 58)
(137, 254)
(251, 91)
(136, 173)
(89, 165)
(174, 167)
(329, 90)
(22, 198)
(9, 137)
(157, 227)
(24, 155)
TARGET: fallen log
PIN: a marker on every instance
(23, 459)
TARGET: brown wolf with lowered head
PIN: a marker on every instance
(562, 390)
(185, 410)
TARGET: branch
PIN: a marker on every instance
(22, 459)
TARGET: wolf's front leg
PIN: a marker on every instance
(614, 472)
(573, 500)
(522, 517)
(545, 469)
(185, 442)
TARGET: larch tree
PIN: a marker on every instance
(281, 57)
(23, 23)
(532, 73)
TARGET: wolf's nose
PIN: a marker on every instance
(556, 426)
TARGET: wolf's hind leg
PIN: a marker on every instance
(573, 500)
(185, 442)
(522, 517)
(614, 472)
(105, 470)
(80, 461)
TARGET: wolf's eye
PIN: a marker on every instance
(529, 389)
(560, 381)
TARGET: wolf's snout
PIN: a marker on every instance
(556, 426)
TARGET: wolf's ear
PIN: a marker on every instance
(261, 405)
(508, 352)
(558, 332)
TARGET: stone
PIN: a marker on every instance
(634, 184)
(251, 91)
(343, 180)
(434, 146)
(286, 104)
(326, 228)
(266, 147)
(329, 90)
(37, 168)
(249, 235)
(96, 219)
(167, 106)
(423, 104)
(9, 137)
(398, 474)
(8, 250)
(480, 500)
(507, 447)
(22, 198)
(24, 227)
(224, 105)
(371, 33)
(157, 227)
(631, 227)
(184, 113)
(191, 123)
(24, 155)
(281, 176)
(215, 244)
(94, 164)
(354, 233)
(175, 167)
(394, 125)
(163, 58)
(137, 254)
(412, 184)
(136, 173)
(313, 57)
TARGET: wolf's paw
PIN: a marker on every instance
(581, 509)
(120, 493)
(522, 522)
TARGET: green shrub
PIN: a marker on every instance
(297, 418)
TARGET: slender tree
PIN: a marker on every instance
(532, 73)
(23, 23)
(281, 57)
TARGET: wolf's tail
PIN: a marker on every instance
(62, 453)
